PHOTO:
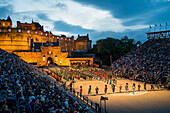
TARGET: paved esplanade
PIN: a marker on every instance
(141, 102)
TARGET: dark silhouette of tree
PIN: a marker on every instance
(110, 49)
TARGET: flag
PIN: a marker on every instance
(155, 25)
(150, 26)
(166, 23)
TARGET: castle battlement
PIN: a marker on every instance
(25, 32)
(34, 45)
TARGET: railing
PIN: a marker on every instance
(93, 105)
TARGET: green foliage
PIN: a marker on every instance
(112, 48)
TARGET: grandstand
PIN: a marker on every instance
(26, 89)
(148, 62)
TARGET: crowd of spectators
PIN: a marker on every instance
(147, 62)
(26, 89)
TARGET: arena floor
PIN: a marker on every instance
(126, 102)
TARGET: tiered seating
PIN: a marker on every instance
(148, 62)
(24, 88)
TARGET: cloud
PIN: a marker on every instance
(60, 25)
(138, 34)
(70, 12)
(5, 11)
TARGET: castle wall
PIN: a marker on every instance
(5, 24)
(16, 39)
(55, 53)
(30, 57)
(83, 45)
(87, 61)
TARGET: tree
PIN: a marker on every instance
(112, 48)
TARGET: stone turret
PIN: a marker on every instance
(6, 23)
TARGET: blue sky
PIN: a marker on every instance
(99, 18)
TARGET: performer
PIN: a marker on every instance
(126, 87)
(145, 85)
(152, 88)
(113, 88)
(139, 87)
(120, 88)
(105, 89)
(81, 90)
(97, 89)
(134, 88)
(89, 91)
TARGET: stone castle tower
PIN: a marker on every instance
(20, 38)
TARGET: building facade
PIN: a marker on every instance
(30, 42)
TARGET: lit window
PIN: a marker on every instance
(53, 36)
(55, 58)
(9, 30)
(41, 33)
(46, 34)
(0, 30)
(61, 38)
(69, 39)
(44, 58)
(36, 32)
(28, 31)
(50, 52)
(57, 37)
(65, 38)
(19, 30)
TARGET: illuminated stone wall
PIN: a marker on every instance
(6, 23)
(15, 39)
(18, 40)
(30, 57)
(81, 61)
(40, 58)
(55, 53)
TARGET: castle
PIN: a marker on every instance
(31, 43)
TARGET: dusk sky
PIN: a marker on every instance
(99, 18)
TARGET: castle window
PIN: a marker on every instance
(36, 32)
(9, 30)
(0, 30)
(57, 37)
(19, 30)
(69, 39)
(65, 38)
(43, 58)
(53, 36)
(46, 34)
(49, 52)
(61, 38)
(28, 31)
(55, 58)
(41, 33)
